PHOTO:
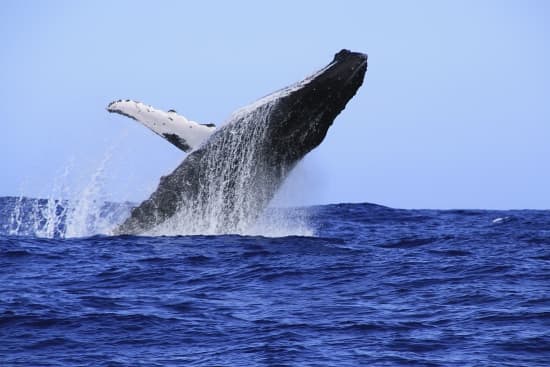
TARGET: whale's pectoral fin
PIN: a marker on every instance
(183, 133)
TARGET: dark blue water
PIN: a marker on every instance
(375, 287)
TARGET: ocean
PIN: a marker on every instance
(364, 285)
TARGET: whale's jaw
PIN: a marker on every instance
(226, 183)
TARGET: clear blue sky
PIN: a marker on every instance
(454, 112)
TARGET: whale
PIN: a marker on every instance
(231, 173)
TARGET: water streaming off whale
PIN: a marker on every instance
(233, 183)
(225, 184)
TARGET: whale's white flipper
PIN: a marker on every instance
(183, 133)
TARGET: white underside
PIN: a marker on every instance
(162, 123)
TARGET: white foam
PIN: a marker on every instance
(67, 211)
(500, 220)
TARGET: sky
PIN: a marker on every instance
(454, 111)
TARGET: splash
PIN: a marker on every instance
(15, 223)
(83, 211)
(234, 186)
(41, 217)
(283, 222)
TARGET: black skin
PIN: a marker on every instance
(177, 141)
(297, 123)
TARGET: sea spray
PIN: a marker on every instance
(233, 187)
(69, 210)
(80, 209)
(41, 217)
(35, 217)
(84, 216)
(283, 222)
(54, 212)
(16, 218)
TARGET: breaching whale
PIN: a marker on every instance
(232, 173)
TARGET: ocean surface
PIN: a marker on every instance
(369, 286)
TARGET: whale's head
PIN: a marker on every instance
(304, 111)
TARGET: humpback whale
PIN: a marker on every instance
(231, 173)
